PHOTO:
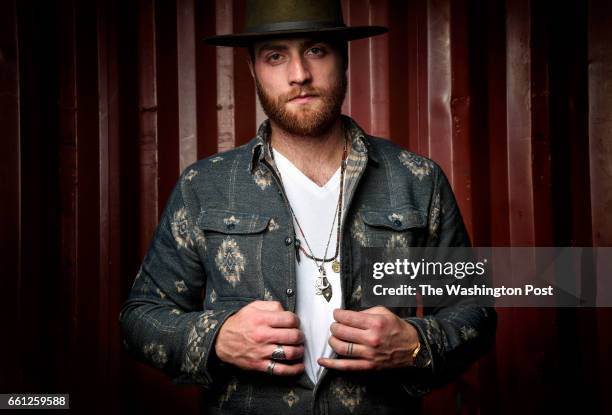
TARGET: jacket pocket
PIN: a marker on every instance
(233, 254)
(399, 227)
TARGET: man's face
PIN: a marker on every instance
(301, 84)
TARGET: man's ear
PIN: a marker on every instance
(251, 68)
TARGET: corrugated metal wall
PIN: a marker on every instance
(102, 103)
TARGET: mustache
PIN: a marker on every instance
(301, 92)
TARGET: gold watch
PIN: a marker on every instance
(420, 357)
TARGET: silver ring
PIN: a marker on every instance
(349, 349)
(279, 353)
(270, 368)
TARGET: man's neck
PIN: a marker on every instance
(318, 157)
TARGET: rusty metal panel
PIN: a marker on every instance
(600, 122)
(186, 44)
(600, 155)
(10, 184)
(109, 279)
(68, 177)
(206, 79)
(167, 98)
(518, 78)
(148, 134)
(511, 98)
(226, 129)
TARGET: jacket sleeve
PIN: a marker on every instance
(455, 335)
(163, 321)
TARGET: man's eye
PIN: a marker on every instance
(316, 51)
(274, 57)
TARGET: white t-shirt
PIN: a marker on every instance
(314, 207)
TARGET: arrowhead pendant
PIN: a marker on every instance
(327, 292)
(322, 285)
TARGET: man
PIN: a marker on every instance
(251, 285)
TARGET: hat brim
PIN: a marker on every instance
(340, 33)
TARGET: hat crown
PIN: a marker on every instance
(274, 14)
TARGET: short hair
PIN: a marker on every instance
(341, 45)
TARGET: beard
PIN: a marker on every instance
(306, 120)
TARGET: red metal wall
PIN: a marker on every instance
(102, 103)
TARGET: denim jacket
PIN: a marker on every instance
(226, 239)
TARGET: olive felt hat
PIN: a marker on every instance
(290, 18)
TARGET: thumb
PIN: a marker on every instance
(267, 305)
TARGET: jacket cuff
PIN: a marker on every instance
(417, 381)
(198, 354)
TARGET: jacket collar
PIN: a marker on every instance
(360, 143)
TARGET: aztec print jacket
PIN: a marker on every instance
(226, 239)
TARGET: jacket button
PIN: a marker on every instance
(397, 222)
(289, 292)
(288, 240)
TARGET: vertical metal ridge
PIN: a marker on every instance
(225, 79)
(186, 62)
(148, 133)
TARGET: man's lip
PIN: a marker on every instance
(303, 96)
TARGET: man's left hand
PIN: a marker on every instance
(379, 338)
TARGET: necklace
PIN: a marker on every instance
(338, 213)
(322, 285)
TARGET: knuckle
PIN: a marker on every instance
(377, 308)
(257, 319)
(297, 352)
(254, 305)
(375, 341)
(378, 323)
(294, 320)
(285, 319)
(294, 336)
(259, 335)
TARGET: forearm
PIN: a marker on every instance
(178, 344)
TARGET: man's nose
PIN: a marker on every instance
(298, 71)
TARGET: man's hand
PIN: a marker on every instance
(248, 338)
(380, 340)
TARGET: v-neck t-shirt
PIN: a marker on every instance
(315, 209)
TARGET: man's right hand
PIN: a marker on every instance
(248, 338)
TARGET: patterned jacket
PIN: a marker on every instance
(226, 239)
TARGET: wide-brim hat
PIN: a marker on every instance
(290, 18)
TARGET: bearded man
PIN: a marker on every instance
(251, 286)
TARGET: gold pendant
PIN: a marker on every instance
(336, 266)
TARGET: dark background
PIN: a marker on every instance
(102, 103)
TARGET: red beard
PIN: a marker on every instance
(307, 120)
